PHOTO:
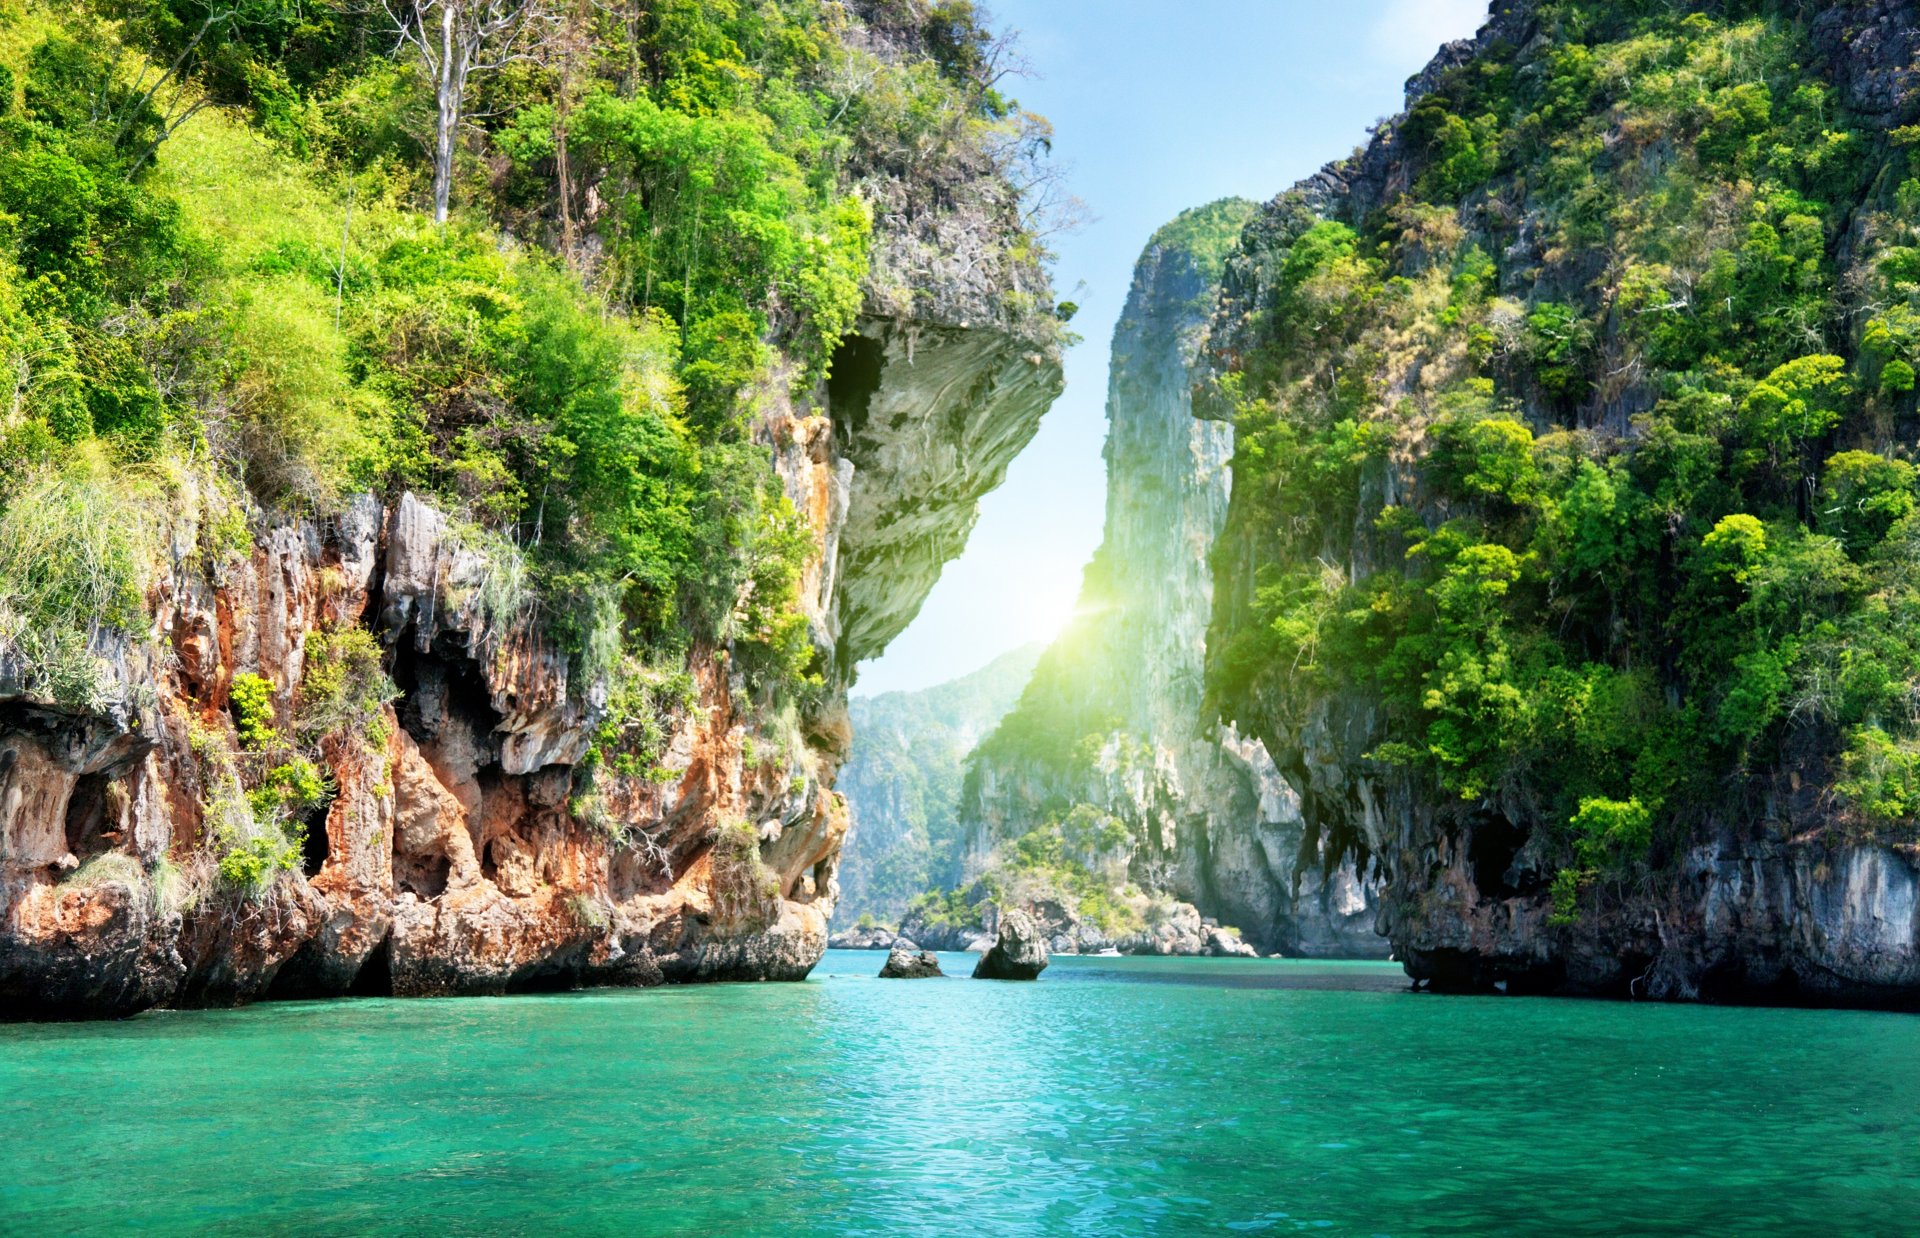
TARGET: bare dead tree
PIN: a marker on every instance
(1001, 58)
(340, 267)
(655, 850)
(570, 46)
(456, 39)
(1023, 154)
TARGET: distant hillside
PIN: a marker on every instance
(902, 783)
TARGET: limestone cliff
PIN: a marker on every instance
(1751, 870)
(451, 856)
(1112, 723)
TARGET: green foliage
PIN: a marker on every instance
(716, 221)
(1460, 152)
(1207, 235)
(343, 688)
(1564, 894)
(588, 911)
(253, 849)
(1863, 496)
(1631, 548)
(251, 867)
(1734, 549)
(1077, 857)
(303, 427)
(947, 909)
(1489, 459)
(641, 704)
(76, 550)
(289, 791)
(1557, 342)
(1608, 833)
(251, 700)
(1797, 402)
(1880, 778)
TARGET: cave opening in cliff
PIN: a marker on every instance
(375, 977)
(87, 825)
(314, 844)
(1491, 848)
(851, 382)
(422, 876)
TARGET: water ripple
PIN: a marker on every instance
(1113, 1097)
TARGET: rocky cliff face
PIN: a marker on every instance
(1767, 891)
(451, 853)
(456, 639)
(1113, 719)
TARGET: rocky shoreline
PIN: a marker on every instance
(1183, 933)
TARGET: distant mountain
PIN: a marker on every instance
(902, 783)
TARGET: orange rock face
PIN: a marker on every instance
(453, 843)
(449, 857)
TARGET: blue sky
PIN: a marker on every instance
(1157, 105)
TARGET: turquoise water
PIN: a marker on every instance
(1115, 1096)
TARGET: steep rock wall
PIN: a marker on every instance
(902, 784)
(1771, 897)
(1208, 817)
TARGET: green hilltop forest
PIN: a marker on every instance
(1578, 458)
(262, 255)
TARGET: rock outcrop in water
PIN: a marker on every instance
(1166, 927)
(864, 937)
(1018, 953)
(907, 961)
(452, 852)
(1109, 749)
(1767, 858)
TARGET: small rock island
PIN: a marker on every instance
(1020, 953)
(907, 961)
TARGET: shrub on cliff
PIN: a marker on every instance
(76, 552)
(745, 893)
(253, 847)
(344, 688)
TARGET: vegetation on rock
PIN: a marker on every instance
(232, 267)
(1586, 462)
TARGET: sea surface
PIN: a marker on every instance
(1114, 1096)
